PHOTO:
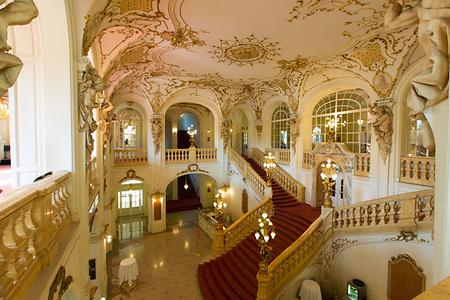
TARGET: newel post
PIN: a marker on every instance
(218, 245)
(263, 282)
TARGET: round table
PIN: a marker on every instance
(310, 290)
(128, 270)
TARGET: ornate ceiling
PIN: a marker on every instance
(243, 50)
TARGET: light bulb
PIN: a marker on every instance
(322, 175)
(266, 238)
(334, 176)
(264, 215)
(270, 223)
(215, 204)
(224, 205)
(261, 224)
(273, 234)
(257, 235)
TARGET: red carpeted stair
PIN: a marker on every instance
(233, 275)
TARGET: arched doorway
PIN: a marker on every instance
(240, 135)
(131, 209)
(186, 194)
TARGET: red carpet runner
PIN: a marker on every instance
(233, 275)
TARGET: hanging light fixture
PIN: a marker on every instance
(186, 185)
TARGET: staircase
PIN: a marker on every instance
(233, 275)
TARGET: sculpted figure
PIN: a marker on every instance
(19, 12)
(431, 86)
(89, 85)
(226, 132)
(157, 130)
(226, 107)
(381, 120)
(295, 132)
(399, 15)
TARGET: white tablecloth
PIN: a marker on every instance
(310, 290)
(128, 270)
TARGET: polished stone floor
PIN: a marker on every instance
(167, 261)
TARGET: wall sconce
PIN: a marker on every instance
(174, 130)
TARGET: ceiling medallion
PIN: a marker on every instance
(246, 51)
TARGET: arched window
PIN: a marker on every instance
(280, 127)
(130, 129)
(350, 107)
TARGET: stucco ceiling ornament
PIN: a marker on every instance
(18, 12)
(381, 118)
(246, 51)
(157, 131)
(400, 15)
(432, 85)
(157, 101)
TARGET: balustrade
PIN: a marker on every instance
(258, 184)
(282, 156)
(307, 158)
(130, 157)
(294, 259)
(417, 170)
(245, 225)
(191, 155)
(283, 178)
(405, 211)
(362, 164)
(32, 220)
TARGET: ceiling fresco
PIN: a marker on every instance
(245, 51)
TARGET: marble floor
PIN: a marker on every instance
(167, 261)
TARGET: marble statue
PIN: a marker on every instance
(157, 131)
(431, 86)
(18, 12)
(399, 15)
(381, 120)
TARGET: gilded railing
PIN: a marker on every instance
(258, 184)
(306, 162)
(404, 211)
(32, 220)
(417, 170)
(294, 259)
(246, 224)
(362, 164)
(282, 156)
(191, 155)
(130, 156)
(283, 178)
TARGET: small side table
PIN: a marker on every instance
(128, 272)
(310, 290)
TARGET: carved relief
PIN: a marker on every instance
(14, 13)
(338, 244)
(431, 86)
(381, 119)
(60, 284)
(157, 131)
(294, 124)
(192, 168)
(406, 236)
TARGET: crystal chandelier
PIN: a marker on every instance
(332, 124)
(269, 165)
(328, 176)
(192, 132)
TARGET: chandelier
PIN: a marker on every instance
(219, 204)
(265, 232)
(269, 165)
(332, 124)
(192, 132)
(328, 176)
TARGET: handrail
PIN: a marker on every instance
(32, 219)
(405, 211)
(293, 259)
(258, 184)
(283, 178)
(246, 224)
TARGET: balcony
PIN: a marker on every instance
(130, 157)
(282, 156)
(417, 170)
(33, 220)
(174, 156)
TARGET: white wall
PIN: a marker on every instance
(237, 185)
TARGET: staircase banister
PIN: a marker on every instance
(278, 261)
(399, 197)
(245, 216)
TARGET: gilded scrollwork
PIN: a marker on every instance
(245, 51)
(340, 243)
(60, 284)
(157, 131)
(225, 132)
(14, 13)
(406, 236)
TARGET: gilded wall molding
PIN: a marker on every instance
(60, 284)
(406, 236)
(192, 168)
